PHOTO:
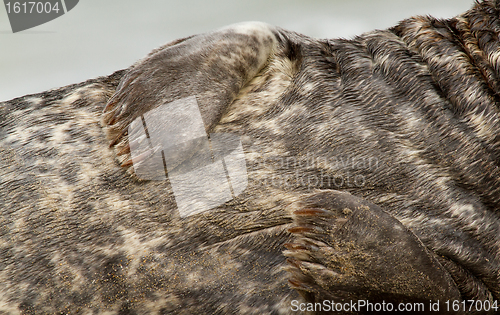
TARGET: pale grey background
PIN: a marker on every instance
(98, 37)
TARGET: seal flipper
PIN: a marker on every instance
(350, 249)
(213, 67)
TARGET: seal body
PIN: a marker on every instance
(372, 170)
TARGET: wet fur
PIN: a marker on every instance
(79, 233)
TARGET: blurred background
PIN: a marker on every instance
(99, 37)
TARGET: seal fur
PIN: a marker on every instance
(79, 234)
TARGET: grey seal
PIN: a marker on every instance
(372, 167)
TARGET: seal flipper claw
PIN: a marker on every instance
(204, 66)
(363, 253)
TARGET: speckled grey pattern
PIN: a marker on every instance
(405, 120)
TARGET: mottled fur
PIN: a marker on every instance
(406, 119)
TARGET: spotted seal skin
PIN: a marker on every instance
(373, 173)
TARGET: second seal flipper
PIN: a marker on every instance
(347, 245)
(212, 67)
